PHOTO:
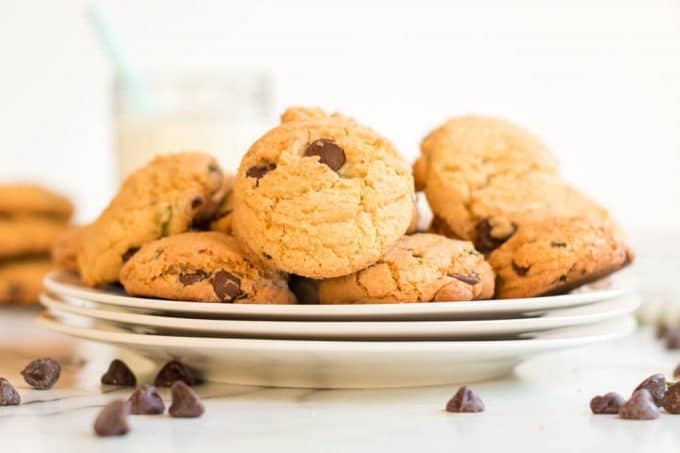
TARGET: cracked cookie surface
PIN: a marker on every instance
(419, 268)
(202, 267)
(21, 280)
(484, 176)
(162, 198)
(321, 196)
(557, 255)
(24, 199)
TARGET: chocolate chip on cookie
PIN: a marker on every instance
(204, 266)
(420, 268)
(328, 151)
(316, 223)
(227, 286)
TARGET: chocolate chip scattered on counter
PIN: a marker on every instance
(8, 394)
(640, 406)
(656, 385)
(465, 400)
(671, 400)
(119, 374)
(146, 401)
(661, 330)
(112, 420)
(42, 374)
(609, 403)
(174, 371)
(672, 338)
(328, 151)
(185, 402)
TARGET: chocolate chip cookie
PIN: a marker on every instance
(321, 195)
(419, 268)
(202, 267)
(555, 256)
(21, 280)
(484, 177)
(30, 199)
(28, 235)
(161, 199)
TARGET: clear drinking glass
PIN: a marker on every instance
(221, 115)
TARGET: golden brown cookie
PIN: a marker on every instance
(163, 198)
(24, 199)
(21, 280)
(555, 256)
(321, 196)
(484, 177)
(27, 235)
(67, 246)
(203, 267)
(419, 268)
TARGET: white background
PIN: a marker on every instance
(599, 81)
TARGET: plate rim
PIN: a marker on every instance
(618, 327)
(348, 329)
(258, 311)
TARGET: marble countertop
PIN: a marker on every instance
(543, 406)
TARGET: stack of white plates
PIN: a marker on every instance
(350, 346)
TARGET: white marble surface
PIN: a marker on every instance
(543, 406)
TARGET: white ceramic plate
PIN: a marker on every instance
(66, 284)
(345, 364)
(347, 330)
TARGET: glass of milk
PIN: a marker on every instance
(221, 115)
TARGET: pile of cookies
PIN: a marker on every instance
(322, 210)
(31, 219)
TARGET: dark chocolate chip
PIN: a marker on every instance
(227, 286)
(328, 151)
(196, 202)
(305, 289)
(609, 403)
(484, 241)
(520, 270)
(558, 244)
(671, 400)
(656, 385)
(214, 168)
(8, 394)
(673, 338)
(640, 406)
(174, 371)
(119, 374)
(189, 278)
(465, 400)
(42, 373)
(129, 253)
(146, 401)
(259, 171)
(266, 256)
(185, 402)
(661, 330)
(112, 420)
(469, 279)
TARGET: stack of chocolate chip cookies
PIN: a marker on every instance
(31, 219)
(322, 210)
